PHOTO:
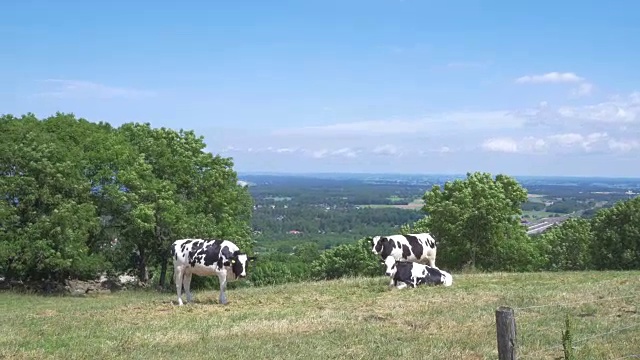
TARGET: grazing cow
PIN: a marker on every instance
(420, 248)
(409, 273)
(205, 258)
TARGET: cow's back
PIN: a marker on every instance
(202, 257)
(419, 247)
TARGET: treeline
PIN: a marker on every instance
(81, 198)
(297, 191)
(321, 220)
(567, 206)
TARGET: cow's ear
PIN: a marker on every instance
(233, 261)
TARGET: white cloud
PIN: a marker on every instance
(324, 153)
(614, 111)
(388, 150)
(346, 152)
(584, 89)
(433, 124)
(86, 89)
(319, 154)
(623, 145)
(552, 77)
(561, 143)
(500, 145)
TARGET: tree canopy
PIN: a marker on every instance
(83, 197)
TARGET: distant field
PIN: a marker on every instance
(350, 318)
(537, 214)
(536, 198)
(414, 205)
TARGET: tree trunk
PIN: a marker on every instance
(163, 272)
(143, 272)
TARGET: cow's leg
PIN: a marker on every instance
(401, 285)
(432, 259)
(178, 275)
(223, 286)
(187, 285)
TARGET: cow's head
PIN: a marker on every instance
(238, 264)
(376, 244)
(390, 265)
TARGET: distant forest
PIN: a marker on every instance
(291, 210)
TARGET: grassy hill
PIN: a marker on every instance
(349, 318)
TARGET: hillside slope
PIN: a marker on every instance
(350, 318)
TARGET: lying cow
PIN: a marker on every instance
(205, 258)
(420, 248)
(409, 273)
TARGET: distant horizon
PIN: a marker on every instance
(287, 173)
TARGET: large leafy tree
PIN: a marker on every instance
(616, 242)
(568, 245)
(476, 223)
(71, 188)
(181, 191)
(46, 214)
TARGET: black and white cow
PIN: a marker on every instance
(413, 274)
(205, 258)
(420, 248)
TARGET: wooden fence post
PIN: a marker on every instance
(506, 333)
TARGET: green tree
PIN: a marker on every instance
(47, 214)
(347, 260)
(476, 223)
(189, 193)
(568, 245)
(616, 232)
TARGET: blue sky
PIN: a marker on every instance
(408, 86)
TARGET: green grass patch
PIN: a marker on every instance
(347, 318)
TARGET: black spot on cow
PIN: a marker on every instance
(406, 252)
(403, 273)
(194, 252)
(416, 246)
(211, 253)
(184, 245)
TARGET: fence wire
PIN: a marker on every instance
(573, 303)
(578, 341)
(558, 347)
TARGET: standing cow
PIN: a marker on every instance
(201, 257)
(413, 274)
(420, 248)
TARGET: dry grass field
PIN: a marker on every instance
(347, 319)
(414, 205)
